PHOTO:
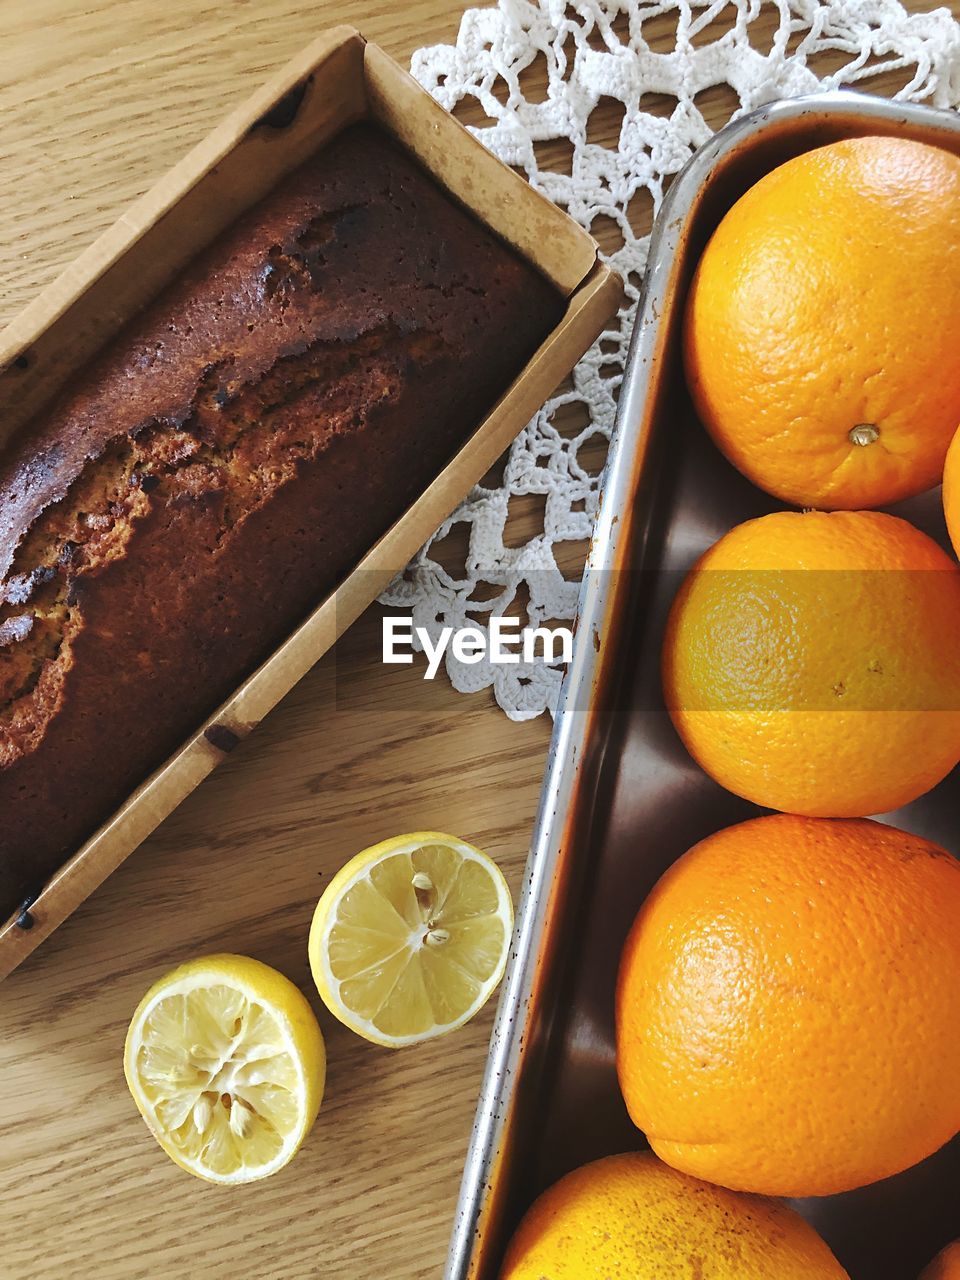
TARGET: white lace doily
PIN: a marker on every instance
(593, 51)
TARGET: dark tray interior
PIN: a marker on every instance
(651, 804)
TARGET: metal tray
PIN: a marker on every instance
(621, 798)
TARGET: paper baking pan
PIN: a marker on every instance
(337, 80)
(621, 799)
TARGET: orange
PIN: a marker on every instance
(824, 320)
(630, 1216)
(811, 662)
(788, 1006)
(946, 1265)
(951, 492)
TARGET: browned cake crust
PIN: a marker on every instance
(224, 463)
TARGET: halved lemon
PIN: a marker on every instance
(226, 1062)
(411, 937)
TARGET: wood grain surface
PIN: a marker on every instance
(98, 98)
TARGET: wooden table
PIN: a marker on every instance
(98, 99)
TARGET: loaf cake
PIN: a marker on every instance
(225, 462)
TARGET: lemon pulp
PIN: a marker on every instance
(411, 938)
(225, 1061)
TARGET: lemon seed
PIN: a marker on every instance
(202, 1111)
(239, 1119)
